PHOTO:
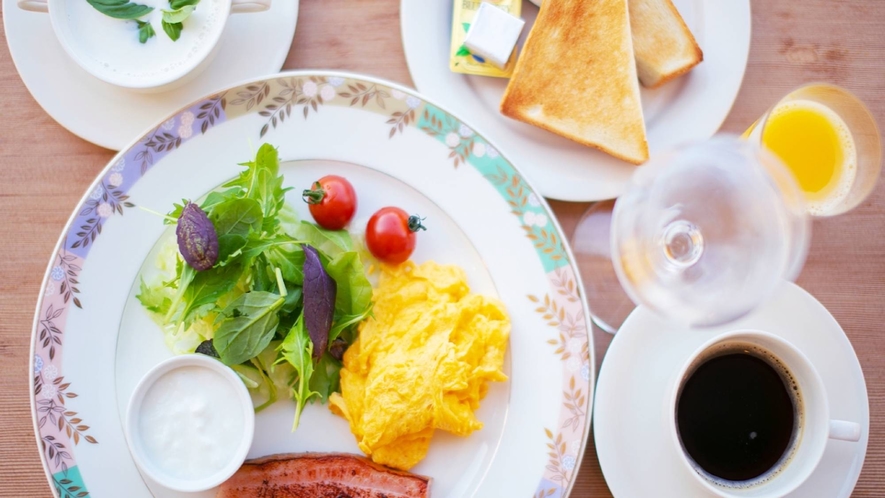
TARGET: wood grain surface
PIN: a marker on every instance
(45, 170)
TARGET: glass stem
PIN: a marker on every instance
(683, 244)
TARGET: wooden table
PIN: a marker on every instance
(45, 171)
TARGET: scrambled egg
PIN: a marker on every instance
(422, 363)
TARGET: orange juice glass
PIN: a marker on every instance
(830, 142)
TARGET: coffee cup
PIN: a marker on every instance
(750, 417)
(110, 49)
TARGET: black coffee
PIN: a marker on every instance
(736, 416)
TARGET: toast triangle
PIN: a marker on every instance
(662, 43)
(577, 77)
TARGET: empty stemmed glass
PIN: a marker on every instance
(702, 236)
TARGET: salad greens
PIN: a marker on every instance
(279, 301)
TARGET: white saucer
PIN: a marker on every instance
(252, 45)
(635, 451)
(689, 108)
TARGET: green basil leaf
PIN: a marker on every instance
(234, 219)
(172, 29)
(247, 326)
(177, 4)
(178, 16)
(120, 9)
(146, 32)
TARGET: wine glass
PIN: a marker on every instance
(703, 235)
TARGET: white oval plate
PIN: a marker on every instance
(251, 46)
(689, 108)
(636, 451)
(91, 337)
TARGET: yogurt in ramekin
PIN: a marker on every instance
(190, 423)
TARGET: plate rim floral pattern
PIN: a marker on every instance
(297, 95)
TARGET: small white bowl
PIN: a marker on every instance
(107, 48)
(135, 438)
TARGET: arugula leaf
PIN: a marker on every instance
(297, 349)
(325, 378)
(330, 243)
(172, 29)
(354, 290)
(247, 326)
(177, 4)
(120, 9)
(145, 32)
(344, 322)
(178, 16)
(262, 182)
(214, 198)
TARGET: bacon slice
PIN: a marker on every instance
(321, 475)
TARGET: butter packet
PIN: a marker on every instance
(460, 58)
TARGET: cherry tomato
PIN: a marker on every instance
(332, 201)
(390, 234)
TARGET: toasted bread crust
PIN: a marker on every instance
(576, 77)
(663, 45)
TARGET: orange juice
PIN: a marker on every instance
(817, 146)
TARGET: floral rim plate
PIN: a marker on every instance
(91, 342)
(689, 108)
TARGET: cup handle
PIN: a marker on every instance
(33, 5)
(244, 6)
(844, 430)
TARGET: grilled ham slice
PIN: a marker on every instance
(321, 475)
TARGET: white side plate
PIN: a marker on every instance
(689, 108)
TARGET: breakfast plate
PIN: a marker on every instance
(636, 452)
(251, 45)
(92, 342)
(689, 108)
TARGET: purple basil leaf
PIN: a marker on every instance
(319, 300)
(197, 239)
